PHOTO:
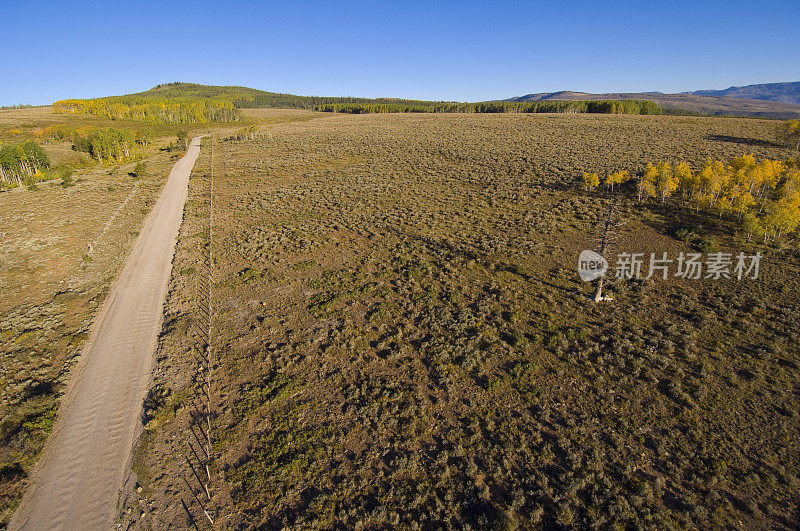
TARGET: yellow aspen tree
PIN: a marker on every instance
(591, 180)
(723, 205)
(743, 163)
(646, 187)
(791, 179)
(616, 178)
(687, 182)
(609, 181)
(720, 176)
(752, 226)
(705, 183)
(784, 216)
(742, 203)
(666, 182)
(771, 172)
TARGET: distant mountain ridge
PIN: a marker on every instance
(788, 92)
(769, 100)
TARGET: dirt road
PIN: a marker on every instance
(77, 481)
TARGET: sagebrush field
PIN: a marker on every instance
(402, 339)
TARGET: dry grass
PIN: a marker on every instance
(403, 339)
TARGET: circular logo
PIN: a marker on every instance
(591, 265)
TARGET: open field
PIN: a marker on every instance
(401, 337)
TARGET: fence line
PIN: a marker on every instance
(200, 417)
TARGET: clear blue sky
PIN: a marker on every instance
(463, 50)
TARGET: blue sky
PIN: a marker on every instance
(465, 51)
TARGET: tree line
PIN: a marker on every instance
(20, 163)
(154, 109)
(77, 135)
(27, 163)
(106, 145)
(573, 106)
(762, 196)
(102, 144)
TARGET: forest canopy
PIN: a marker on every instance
(150, 109)
(761, 197)
(587, 106)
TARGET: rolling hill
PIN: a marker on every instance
(716, 105)
(248, 98)
(782, 92)
(774, 100)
